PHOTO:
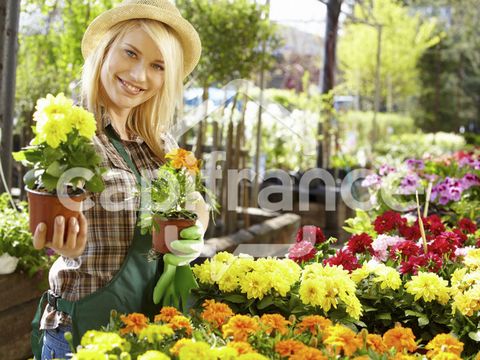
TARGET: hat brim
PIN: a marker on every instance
(186, 33)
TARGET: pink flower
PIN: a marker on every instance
(302, 251)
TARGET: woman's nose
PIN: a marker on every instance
(139, 73)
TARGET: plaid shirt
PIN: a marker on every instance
(111, 223)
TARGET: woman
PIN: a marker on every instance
(136, 58)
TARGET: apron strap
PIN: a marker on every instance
(116, 142)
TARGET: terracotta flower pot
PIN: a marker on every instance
(168, 231)
(45, 207)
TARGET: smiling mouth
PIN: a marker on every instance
(129, 87)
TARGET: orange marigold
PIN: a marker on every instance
(375, 342)
(216, 313)
(308, 353)
(180, 322)
(240, 327)
(402, 356)
(444, 343)
(400, 338)
(286, 348)
(175, 349)
(313, 323)
(134, 322)
(242, 347)
(274, 322)
(340, 339)
(166, 314)
(183, 158)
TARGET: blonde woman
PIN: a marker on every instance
(136, 58)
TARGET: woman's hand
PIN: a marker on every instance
(76, 237)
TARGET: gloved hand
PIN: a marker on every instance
(177, 279)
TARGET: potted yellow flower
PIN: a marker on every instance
(172, 196)
(60, 156)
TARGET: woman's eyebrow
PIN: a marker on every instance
(138, 51)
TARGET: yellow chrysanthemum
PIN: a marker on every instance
(429, 287)
(444, 343)
(446, 356)
(154, 333)
(388, 277)
(203, 273)
(254, 285)
(467, 302)
(83, 121)
(89, 354)
(472, 259)
(153, 355)
(359, 274)
(102, 341)
(175, 349)
(223, 256)
(195, 351)
(225, 353)
(228, 282)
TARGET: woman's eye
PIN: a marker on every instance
(158, 67)
(130, 53)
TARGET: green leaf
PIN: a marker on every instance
(383, 316)
(414, 313)
(29, 178)
(265, 302)
(95, 184)
(49, 182)
(19, 156)
(475, 336)
(236, 298)
(56, 169)
(423, 321)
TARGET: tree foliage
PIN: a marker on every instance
(404, 38)
(49, 56)
(232, 34)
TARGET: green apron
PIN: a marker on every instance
(130, 290)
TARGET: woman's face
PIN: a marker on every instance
(133, 71)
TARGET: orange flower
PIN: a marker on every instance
(400, 338)
(339, 339)
(134, 322)
(180, 322)
(175, 349)
(375, 342)
(286, 348)
(216, 313)
(401, 356)
(444, 343)
(240, 326)
(308, 353)
(242, 347)
(363, 357)
(166, 314)
(274, 322)
(313, 323)
(183, 158)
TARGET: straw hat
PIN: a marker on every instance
(160, 10)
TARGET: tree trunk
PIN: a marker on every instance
(9, 18)
(331, 29)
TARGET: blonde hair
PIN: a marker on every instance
(155, 115)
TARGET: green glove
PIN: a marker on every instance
(177, 279)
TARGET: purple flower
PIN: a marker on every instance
(414, 164)
(409, 184)
(455, 193)
(372, 180)
(470, 180)
(49, 252)
(386, 169)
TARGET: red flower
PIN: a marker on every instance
(310, 233)
(404, 250)
(360, 243)
(461, 235)
(433, 224)
(302, 251)
(445, 243)
(388, 221)
(410, 232)
(430, 262)
(467, 225)
(345, 258)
